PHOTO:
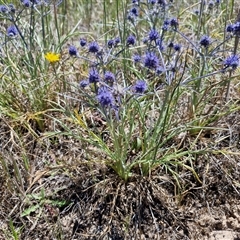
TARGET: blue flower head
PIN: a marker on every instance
(145, 40)
(35, 2)
(166, 24)
(110, 43)
(140, 86)
(109, 77)
(134, 11)
(153, 35)
(151, 60)
(84, 83)
(93, 47)
(131, 40)
(72, 51)
(210, 5)
(3, 9)
(171, 45)
(162, 2)
(152, 1)
(177, 47)
(236, 28)
(136, 58)
(93, 76)
(230, 28)
(117, 41)
(12, 8)
(12, 31)
(26, 3)
(83, 42)
(232, 61)
(205, 41)
(174, 23)
(105, 97)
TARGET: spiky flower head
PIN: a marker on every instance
(173, 23)
(177, 47)
(210, 5)
(166, 24)
(83, 42)
(236, 28)
(232, 61)
(153, 35)
(109, 77)
(93, 76)
(3, 9)
(131, 40)
(136, 58)
(140, 86)
(171, 45)
(152, 1)
(12, 8)
(26, 3)
(72, 50)
(230, 28)
(151, 60)
(105, 97)
(93, 47)
(134, 11)
(84, 83)
(205, 41)
(117, 41)
(110, 43)
(12, 31)
(52, 57)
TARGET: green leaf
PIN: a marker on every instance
(29, 210)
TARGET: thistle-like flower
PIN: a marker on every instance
(151, 60)
(72, 51)
(153, 35)
(205, 41)
(236, 28)
(136, 58)
(93, 47)
(83, 42)
(232, 61)
(93, 76)
(177, 47)
(105, 97)
(173, 23)
(110, 43)
(140, 86)
(109, 77)
(12, 31)
(131, 40)
(84, 83)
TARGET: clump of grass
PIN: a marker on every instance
(167, 85)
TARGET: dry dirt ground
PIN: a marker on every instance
(67, 198)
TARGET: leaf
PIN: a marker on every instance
(29, 210)
(58, 203)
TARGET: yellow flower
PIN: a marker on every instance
(52, 57)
